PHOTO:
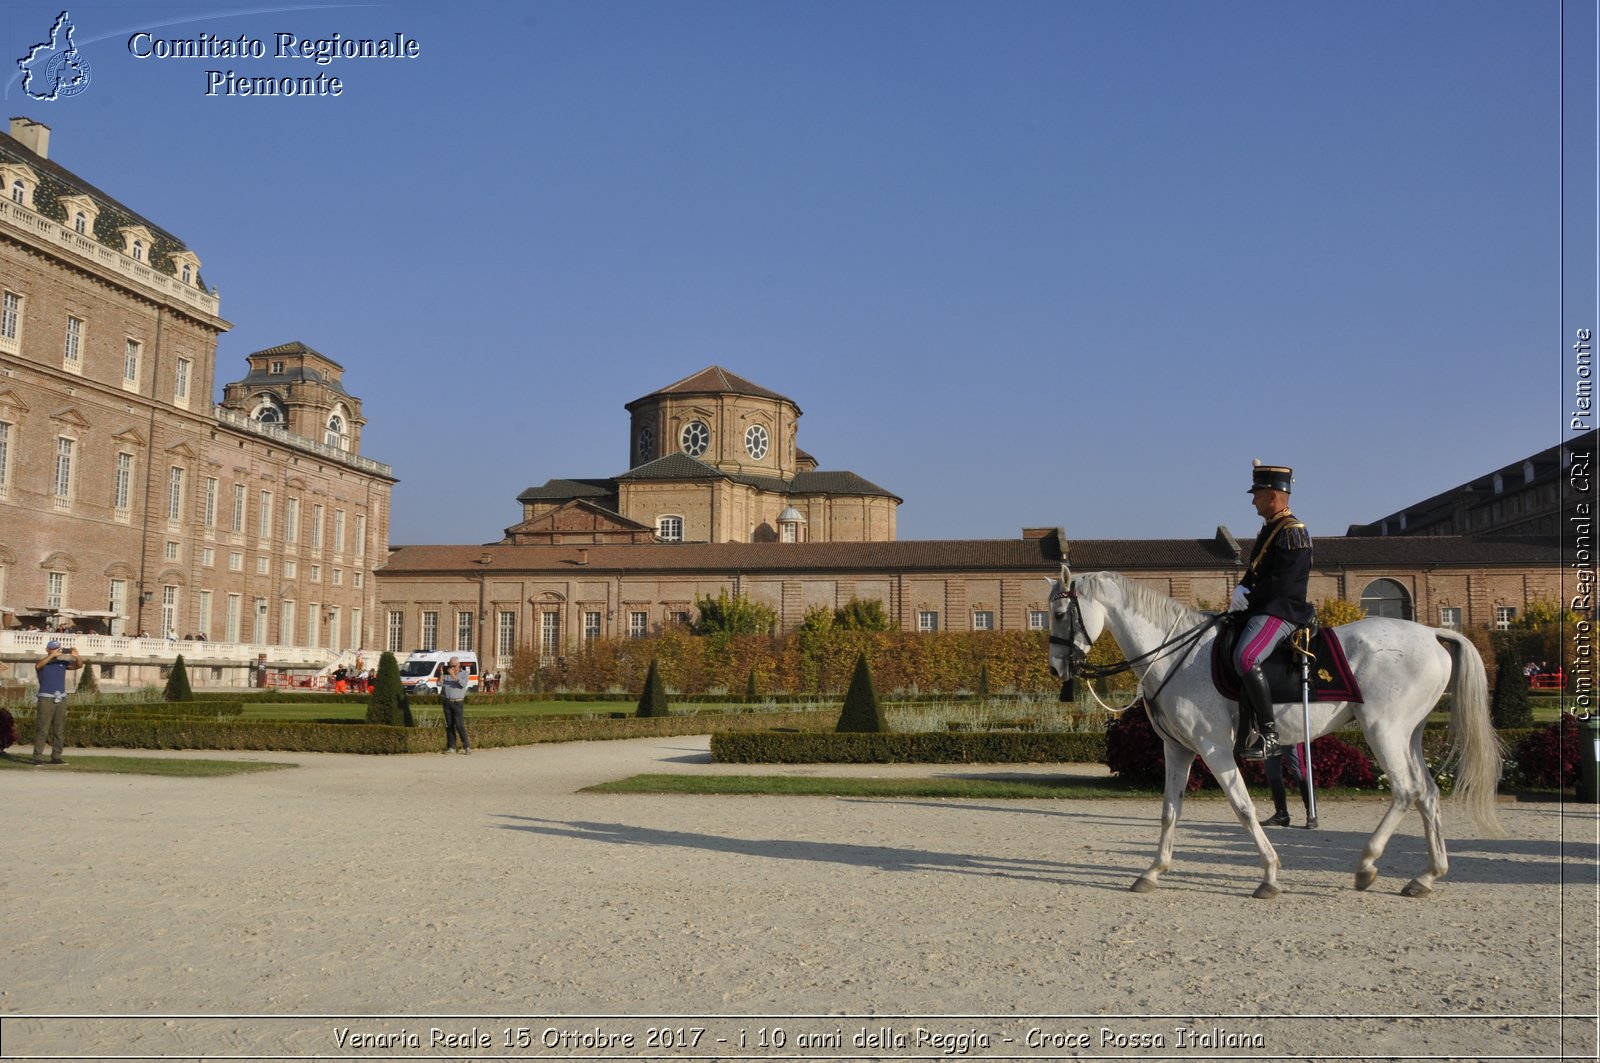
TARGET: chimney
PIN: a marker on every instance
(35, 136)
(583, 555)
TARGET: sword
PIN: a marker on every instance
(1305, 709)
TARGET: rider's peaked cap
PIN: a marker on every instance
(1271, 478)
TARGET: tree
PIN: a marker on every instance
(1336, 611)
(733, 615)
(653, 699)
(388, 703)
(858, 615)
(862, 711)
(87, 683)
(178, 683)
(751, 695)
(983, 682)
(1510, 706)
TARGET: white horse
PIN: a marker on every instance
(1402, 668)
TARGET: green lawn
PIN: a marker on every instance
(177, 767)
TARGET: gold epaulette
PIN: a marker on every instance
(1295, 537)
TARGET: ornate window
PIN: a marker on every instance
(647, 443)
(756, 441)
(695, 438)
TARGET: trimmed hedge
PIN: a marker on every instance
(963, 747)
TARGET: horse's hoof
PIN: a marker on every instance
(1366, 878)
(1415, 889)
(1265, 892)
(1143, 884)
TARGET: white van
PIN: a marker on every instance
(423, 672)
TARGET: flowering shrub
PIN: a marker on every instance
(1135, 753)
(1548, 759)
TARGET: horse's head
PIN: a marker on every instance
(1076, 620)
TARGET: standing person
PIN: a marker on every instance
(1286, 763)
(1272, 597)
(50, 712)
(453, 693)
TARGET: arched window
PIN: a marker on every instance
(138, 250)
(336, 435)
(186, 273)
(268, 411)
(1385, 597)
(19, 191)
(80, 222)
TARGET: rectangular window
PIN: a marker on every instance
(175, 494)
(130, 363)
(357, 636)
(463, 630)
(72, 353)
(316, 527)
(430, 630)
(11, 322)
(169, 612)
(338, 531)
(65, 451)
(286, 624)
(507, 641)
(291, 520)
(1450, 617)
(549, 635)
(361, 535)
(208, 556)
(180, 382)
(122, 485)
(670, 529)
(172, 551)
(638, 624)
(5, 458)
(397, 631)
(235, 561)
(263, 565)
(1038, 619)
(211, 502)
(313, 622)
(1503, 616)
(118, 605)
(55, 590)
(333, 628)
(356, 580)
(591, 626)
(983, 620)
(316, 573)
(927, 620)
(264, 516)
(291, 569)
(338, 577)
(230, 631)
(238, 507)
(205, 613)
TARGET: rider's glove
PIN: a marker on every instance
(1240, 599)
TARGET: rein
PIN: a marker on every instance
(1081, 666)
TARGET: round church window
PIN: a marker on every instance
(647, 444)
(696, 438)
(755, 441)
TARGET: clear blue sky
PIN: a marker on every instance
(1069, 263)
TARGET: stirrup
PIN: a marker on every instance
(1260, 747)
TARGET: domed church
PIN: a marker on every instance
(711, 459)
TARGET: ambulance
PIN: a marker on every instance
(423, 671)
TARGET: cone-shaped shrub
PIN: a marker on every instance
(983, 682)
(388, 703)
(751, 696)
(862, 712)
(178, 683)
(87, 683)
(653, 700)
(1510, 706)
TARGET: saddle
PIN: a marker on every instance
(1331, 677)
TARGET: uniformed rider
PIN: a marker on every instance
(1271, 599)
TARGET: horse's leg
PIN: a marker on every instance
(1432, 828)
(1179, 761)
(1227, 774)
(1405, 786)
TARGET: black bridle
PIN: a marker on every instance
(1078, 660)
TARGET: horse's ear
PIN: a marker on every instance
(1066, 575)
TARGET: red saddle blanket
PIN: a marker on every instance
(1331, 677)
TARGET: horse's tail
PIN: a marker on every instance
(1475, 748)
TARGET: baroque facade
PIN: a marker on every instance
(129, 502)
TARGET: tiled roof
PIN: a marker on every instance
(836, 483)
(292, 374)
(714, 380)
(559, 490)
(956, 555)
(674, 466)
(295, 347)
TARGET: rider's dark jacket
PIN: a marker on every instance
(1278, 571)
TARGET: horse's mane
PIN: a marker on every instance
(1168, 612)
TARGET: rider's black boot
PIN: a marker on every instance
(1280, 794)
(1255, 693)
